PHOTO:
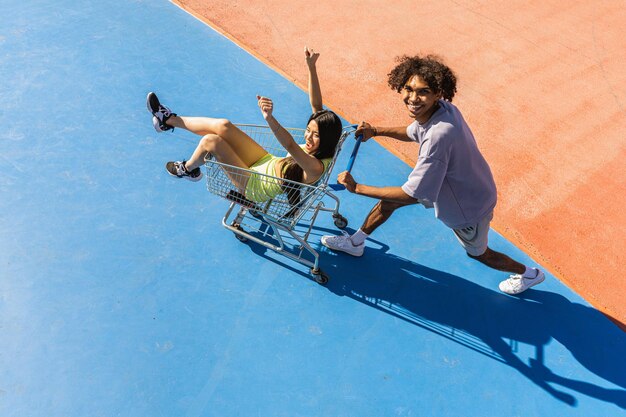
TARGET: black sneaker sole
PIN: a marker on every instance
(152, 103)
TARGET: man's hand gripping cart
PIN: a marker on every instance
(284, 223)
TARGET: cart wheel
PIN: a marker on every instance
(238, 236)
(320, 276)
(340, 221)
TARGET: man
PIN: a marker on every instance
(450, 175)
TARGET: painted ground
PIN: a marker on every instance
(122, 295)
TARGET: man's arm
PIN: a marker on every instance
(397, 132)
(369, 131)
(394, 194)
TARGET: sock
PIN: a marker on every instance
(359, 237)
(530, 273)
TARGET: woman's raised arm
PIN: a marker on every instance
(311, 166)
(315, 92)
(284, 137)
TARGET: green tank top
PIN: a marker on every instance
(261, 188)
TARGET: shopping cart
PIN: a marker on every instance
(283, 223)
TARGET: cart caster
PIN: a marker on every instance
(319, 276)
(238, 236)
(340, 221)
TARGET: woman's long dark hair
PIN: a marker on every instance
(329, 127)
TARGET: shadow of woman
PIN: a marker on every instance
(490, 322)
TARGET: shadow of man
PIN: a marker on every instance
(489, 322)
(485, 321)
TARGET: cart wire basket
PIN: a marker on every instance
(284, 223)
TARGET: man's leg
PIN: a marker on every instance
(381, 212)
(474, 240)
(523, 277)
(499, 261)
(355, 244)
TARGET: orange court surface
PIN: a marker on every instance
(541, 83)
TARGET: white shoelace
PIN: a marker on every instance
(164, 112)
(347, 241)
(516, 281)
(180, 169)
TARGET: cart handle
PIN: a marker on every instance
(355, 150)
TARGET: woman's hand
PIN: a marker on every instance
(266, 105)
(345, 179)
(365, 129)
(315, 92)
(310, 56)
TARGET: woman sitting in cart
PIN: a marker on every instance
(229, 145)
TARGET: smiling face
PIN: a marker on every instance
(419, 98)
(312, 137)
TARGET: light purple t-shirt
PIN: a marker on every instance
(451, 173)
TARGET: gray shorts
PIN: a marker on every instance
(475, 238)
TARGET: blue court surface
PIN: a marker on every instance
(122, 295)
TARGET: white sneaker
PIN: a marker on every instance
(517, 283)
(343, 244)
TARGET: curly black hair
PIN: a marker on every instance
(437, 75)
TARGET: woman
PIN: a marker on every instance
(229, 145)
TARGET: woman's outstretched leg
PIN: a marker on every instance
(243, 145)
(211, 144)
